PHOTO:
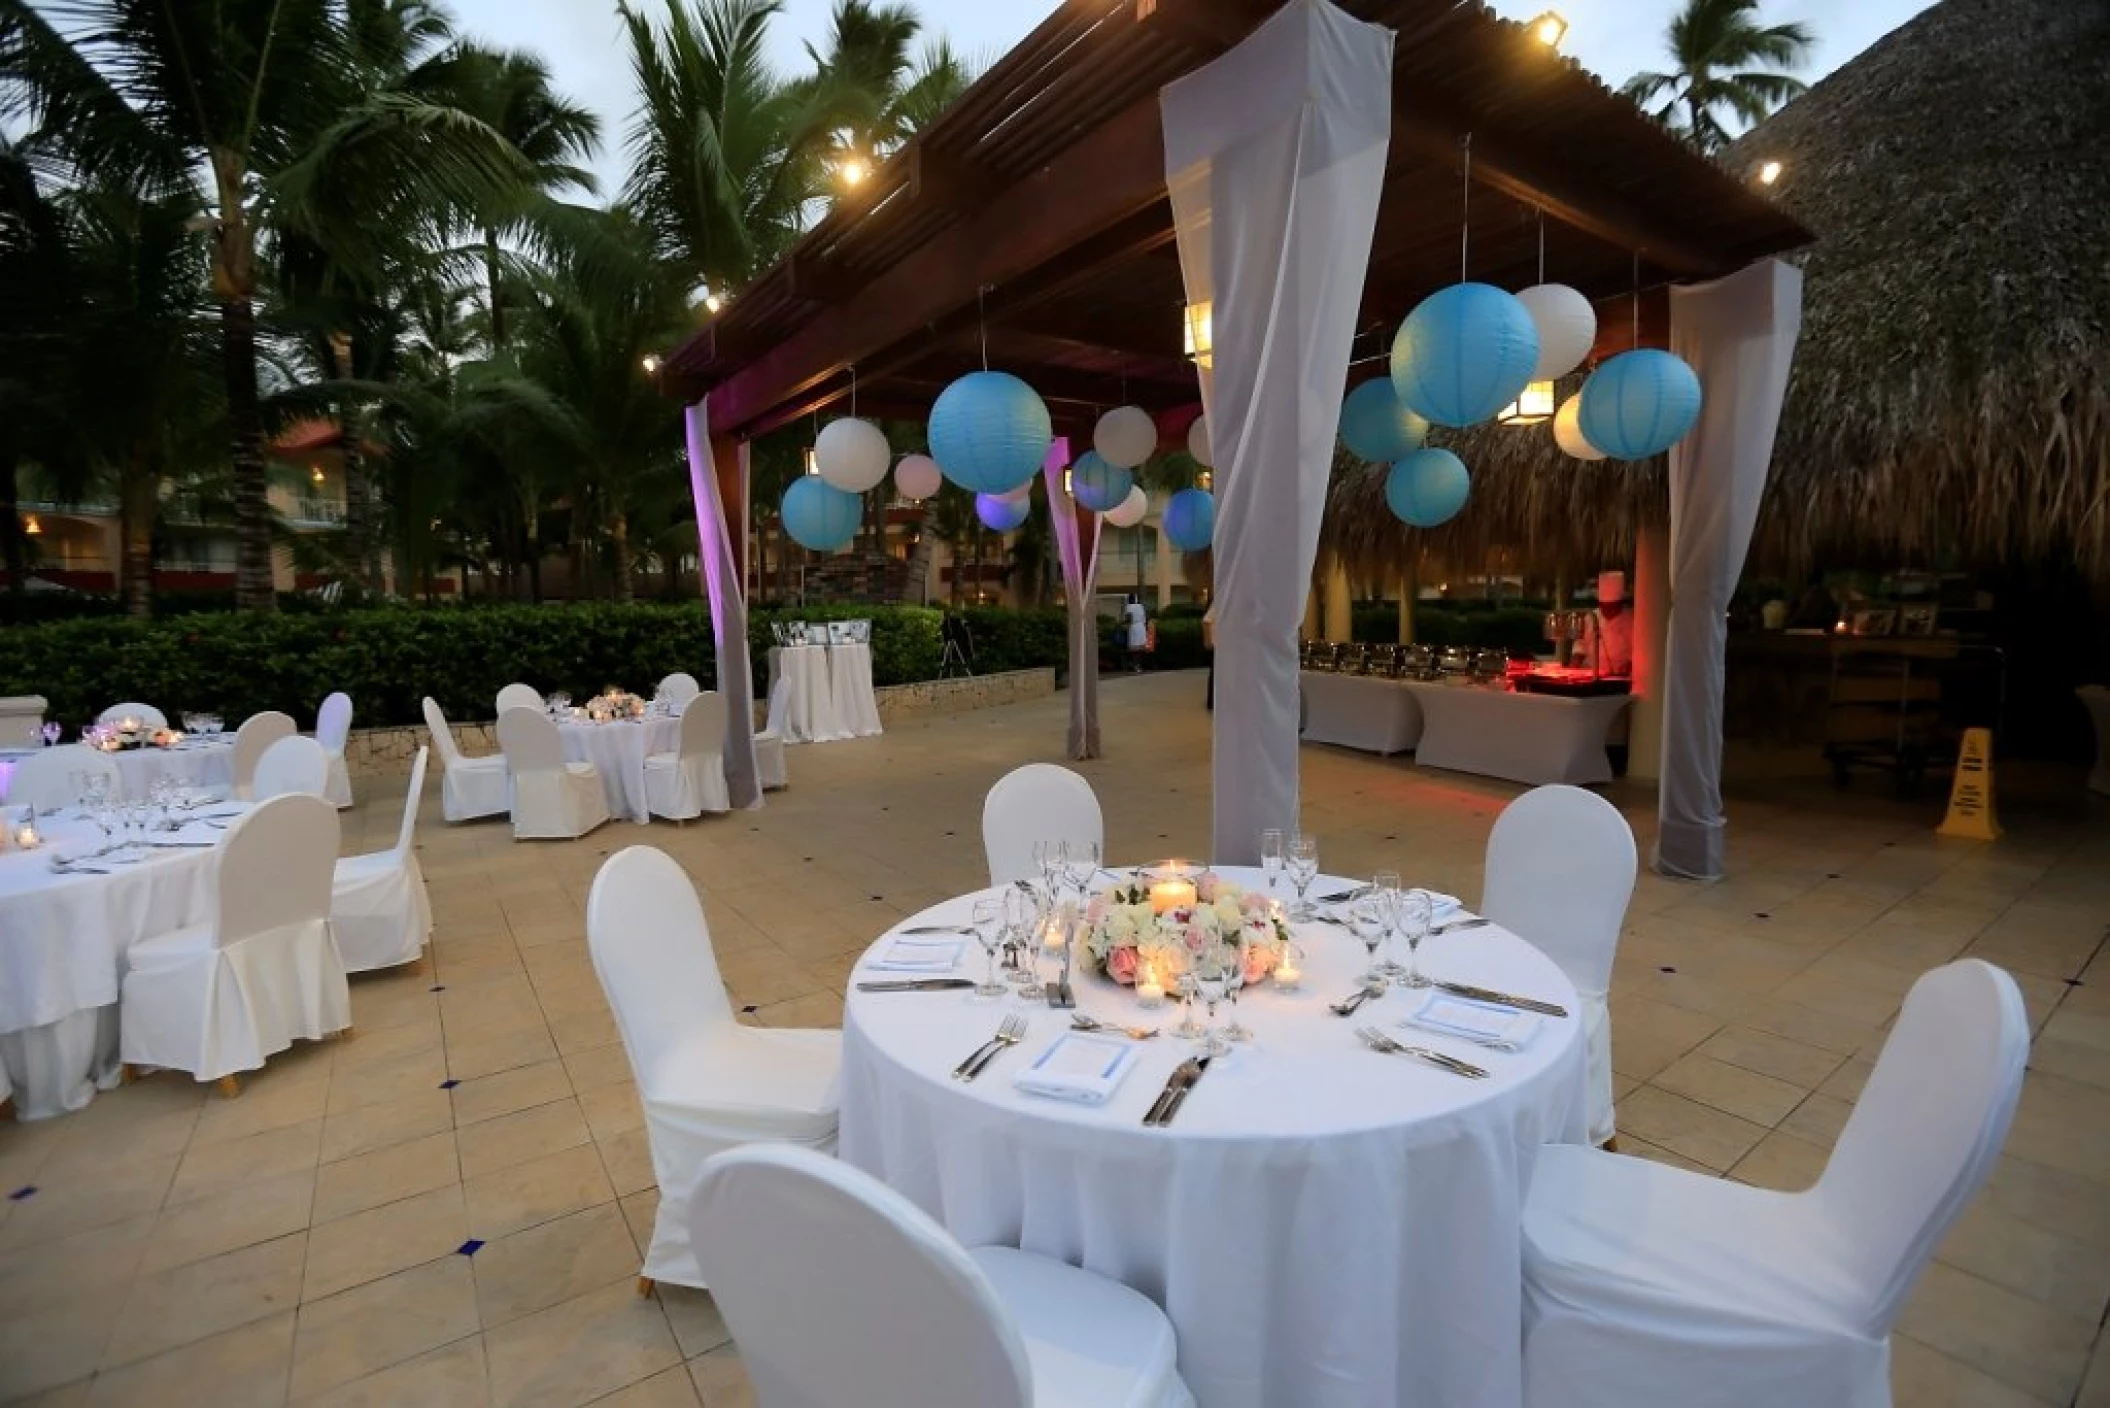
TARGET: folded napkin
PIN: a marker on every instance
(1476, 1021)
(1442, 906)
(1079, 1067)
(911, 954)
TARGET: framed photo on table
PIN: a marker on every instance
(1917, 620)
(1873, 621)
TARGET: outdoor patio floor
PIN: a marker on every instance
(300, 1243)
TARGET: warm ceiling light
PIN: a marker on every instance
(650, 362)
(852, 170)
(1199, 334)
(1535, 405)
(1769, 173)
(713, 302)
(315, 473)
(31, 527)
(1549, 29)
(1205, 481)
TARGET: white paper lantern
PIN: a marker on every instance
(1567, 431)
(917, 477)
(1198, 443)
(1129, 512)
(1567, 325)
(1125, 436)
(852, 454)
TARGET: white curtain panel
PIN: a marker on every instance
(719, 567)
(1274, 159)
(1077, 544)
(1739, 334)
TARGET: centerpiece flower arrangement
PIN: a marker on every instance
(1132, 941)
(614, 703)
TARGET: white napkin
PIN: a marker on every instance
(1442, 906)
(1079, 1067)
(1476, 1021)
(916, 954)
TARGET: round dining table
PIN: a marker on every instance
(1326, 1225)
(618, 750)
(195, 762)
(63, 940)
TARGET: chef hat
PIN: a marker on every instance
(1611, 587)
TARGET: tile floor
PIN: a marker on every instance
(307, 1242)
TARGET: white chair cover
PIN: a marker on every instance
(45, 779)
(1648, 1284)
(378, 901)
(146, 713)
(769, 761)
(551, 799)
(293, 764)
(680, 687)
(518, 696)
(469, 787)
(258, 732)
(1560, 871)
(333, 726)
(219, 998)
(839, 1290)
(1038, 802)
(691, 781)
(707, 1083)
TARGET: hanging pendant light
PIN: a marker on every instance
(1534, 405)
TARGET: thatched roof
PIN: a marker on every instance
(1950, 400)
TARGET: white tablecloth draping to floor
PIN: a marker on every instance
(63, 939)
(198, 762)
(619, 750)
(850, 688)
(802, 695)
(1534, 738)
(1327, 1227)
(1368, 712)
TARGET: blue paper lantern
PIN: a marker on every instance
(1002, 515)
(820, 516)
(1639, 404)
(1097, 485)
(1464, 353)
(1190, 519)
(990, 432)
(1426, 488)
(1376, 427)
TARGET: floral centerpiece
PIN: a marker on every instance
(614, 703)
(1136, 937)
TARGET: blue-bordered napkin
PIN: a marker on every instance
(1079, 1067)
(911, 953)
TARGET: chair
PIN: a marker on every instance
(1560, 871)
(839, 1290)
(518, 696)
(1038, 802)
(45, 779)
(147, 714)
(469, 787)
(770, 771)
(378, 902)
(217, 999)
(257, 733)
(1647, 1284)
(551, 799)
(679, 687)
(293, 764)
(333, 726)
(691, 780)
(707, 1083)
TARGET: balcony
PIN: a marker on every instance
(317, 513)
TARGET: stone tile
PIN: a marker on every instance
(536, 1191)
(1772, 1055)
(255, 1212)
(2062, 1123)
(539, 1266)
(369, 1245)
(1635, 1147)
(640, 1210)
(502, 1051)
(89, 1151)
(628, 1159)
(611, 1109)
(115, 1194)
(1648, 1036)
(97, 1264)
(1783, 1163)
(210, 1169)
(669, 1388)
(1709, 1137)
(398, 1171)
(362, 1130)
(51, 1346)
(2070, 1204)
(1744, 1093)
(450, 1377)
(493, 1144)
(491, 1096)
(721, 1381)
(1818, 1120)
(698, 1327)
(2067, 1275)
(171, 1308)
(586, 1347)
(1926, 1378)
(354, 1334)
(270, 1099)
(246, 1368)
(598, 1066)
(2009, 1337)
(387, 1082)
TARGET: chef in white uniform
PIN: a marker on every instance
(1610, 644)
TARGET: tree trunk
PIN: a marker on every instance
(139, 500)
(254, 589)
(498, 310)
(621, 586)
(11, 544)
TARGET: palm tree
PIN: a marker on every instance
(875, 95)
(1722, 55)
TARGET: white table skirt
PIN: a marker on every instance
(619, 751)
(1374, 714)
(850, 689)
(2097, 700)
(802, 695)
(194, 763)
(1326, 1227)
(1534, 738)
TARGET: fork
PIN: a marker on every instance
(1378, 1041)
(1008, 1035)
(1092, 1024)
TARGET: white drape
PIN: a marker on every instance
(1077, 543)
(719, 567)
(1739, 334)
(1274, 159)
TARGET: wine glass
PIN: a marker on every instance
(989, 932)
(1303, 868)
(1047, 855)
(53, 732)
(1081, 860)
(1370, 919)
(1235, 1030)
(1272, 857)
(1188, 987)
(1385, 887)
(1413, 913)
(1023, 932)
(1213, 971)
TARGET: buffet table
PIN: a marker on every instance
(1369, 712)
(618, 750)
(1326, 1226)
(1531, 738)
(821, 693)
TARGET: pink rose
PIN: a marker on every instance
(1095, 912)
(1194, 939)
(1205, 888)
(1259, 962)
(1121, 965)
(1257, 903)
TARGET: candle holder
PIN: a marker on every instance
(1174, 885)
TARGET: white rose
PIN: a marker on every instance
(1229, 915)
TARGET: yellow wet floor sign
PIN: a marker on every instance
(1971, 797)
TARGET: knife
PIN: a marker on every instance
(1503, 999)
(1201, 1065)
(916, 985)
(1186, 1070)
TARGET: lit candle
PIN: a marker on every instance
(130, 724)
(1288, 974)
(1149, 991)
(1168, 895)
(26, 836)
(1054, 937)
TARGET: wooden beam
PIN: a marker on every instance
(938, 178)
(816, 277)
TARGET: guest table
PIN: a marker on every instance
(1326, 1226)
(195, 762)
(1369, 712)
(63, 940)
(1534, 738)
(801, 695)
(618, 749)
(850, 688)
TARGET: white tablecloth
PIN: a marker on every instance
(1534, 738)
(62, 944)
(194, 763)
(850, 689)
(1374, 714)
(1327, 1227)
(802, 705)
(619, 751)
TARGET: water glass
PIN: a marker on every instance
(1235, 1030)
(1273, 856)
(1414, 912)
(1303, 868)
(1023, 931)
(1385, 887)
(1370, 918)
(989, 932)
(1214, 970)
(1081, 862)
(1187, 986)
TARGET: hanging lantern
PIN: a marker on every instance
(989, 432)
(1198, 445)
(1426, 488)
(1001, 515)
(1125, 436)
(852, 454)
(1567, 431)
(1376, 427)
(917, 477)
(1534, 405)
(1567, 328)
(1190, 519)
(1198, 334)
(1639, 404)
(1098, 485)
(820, 516)
(1464, 353)
(1130, 511)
